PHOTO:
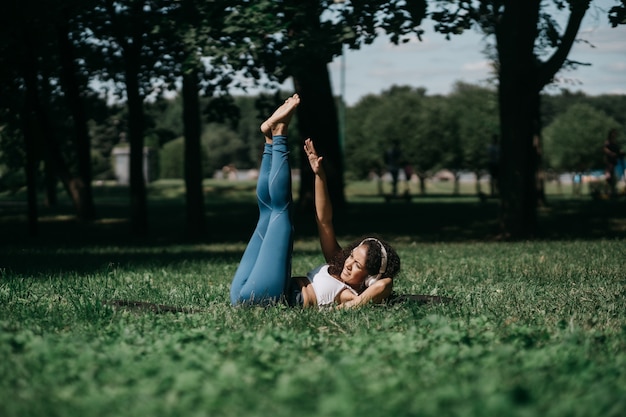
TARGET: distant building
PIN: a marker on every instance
(121, 164)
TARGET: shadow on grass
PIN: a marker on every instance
(230, 224)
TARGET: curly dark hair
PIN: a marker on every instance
(373, 261)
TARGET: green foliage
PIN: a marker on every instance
(101, 167)
(223, 147)
(165, 119)
(535, 329)
(172, 163)
(284, 38)
(253, 110)
(12, 176)
(434, 132)
(475, 110)
(617, 14)
(435, 142)
(553, 105)
(400, 115)
(467, 119)
(574, 140)
(364, 142)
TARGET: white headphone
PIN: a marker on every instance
(383, 262)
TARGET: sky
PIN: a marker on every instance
(436, 64)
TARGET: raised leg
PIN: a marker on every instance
(265, 267)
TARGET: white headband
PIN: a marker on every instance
(383, 255)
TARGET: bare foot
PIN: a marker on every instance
(278, 122)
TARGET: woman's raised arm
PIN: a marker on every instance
(323, 206)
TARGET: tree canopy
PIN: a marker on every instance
(56, 55)
(573, 141)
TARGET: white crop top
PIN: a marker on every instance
(326, 286)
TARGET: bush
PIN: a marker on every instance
(172, 159)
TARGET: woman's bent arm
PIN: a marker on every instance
(375, 293)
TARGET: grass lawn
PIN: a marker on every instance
(536, 328)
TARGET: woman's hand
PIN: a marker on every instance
(314, 160)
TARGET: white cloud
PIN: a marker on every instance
(477, 66)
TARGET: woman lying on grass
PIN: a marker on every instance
(361, 273)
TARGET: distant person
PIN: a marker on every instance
(408, 174)
(393, 160)
(613, 157)
(229, 172)
(493, 165)
(578, 180)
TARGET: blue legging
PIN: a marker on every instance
(264, 271)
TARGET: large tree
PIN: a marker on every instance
(38, 35)
(194, 27)
(298, 39)
(126, 52)
(74, 82)
(531, 49)
(475, 111)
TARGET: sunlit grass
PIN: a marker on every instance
(534, 328)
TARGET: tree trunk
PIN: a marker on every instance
(51, 175)
(132, 66)
(55, 164)
(83, 195)
(317, 119)
(138, 201)
(31, 131)
(422, 181)
(30, 168)
(56, 167)
(516, 35)
(193, 156)
(478, 187)
(46, 136)
(538, 154)
(522, 77)
(317, 112)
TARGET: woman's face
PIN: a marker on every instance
(354, 272)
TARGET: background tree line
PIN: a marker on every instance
(436, 132)
(54, 53)
(58, 56)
